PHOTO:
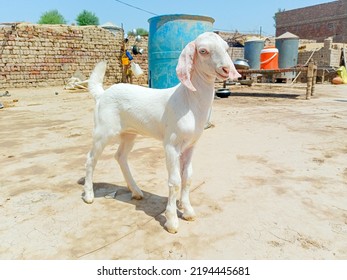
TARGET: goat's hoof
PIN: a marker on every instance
(88, 201)
(88, 198)
(137, 196)
(189, 217)
(171, 228)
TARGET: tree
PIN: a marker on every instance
(87, 18)
(139, 31)
(52, 17)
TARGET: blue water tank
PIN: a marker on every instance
(253, 47)
(168, 35)
(288, 47)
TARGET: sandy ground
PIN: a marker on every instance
(270, 181)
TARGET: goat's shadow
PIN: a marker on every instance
(266, 95)
(151, 204)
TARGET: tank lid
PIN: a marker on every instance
(288, 35)
(254, 39)
(181, 16)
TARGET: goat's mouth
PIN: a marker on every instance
(222, 76)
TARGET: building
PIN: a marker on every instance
(316, 22)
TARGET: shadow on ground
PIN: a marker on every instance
(152, 205)
(265, 95)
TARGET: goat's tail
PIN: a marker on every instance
(96, 79)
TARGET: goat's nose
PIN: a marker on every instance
(226, 70)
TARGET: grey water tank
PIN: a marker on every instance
(288, 47)
(253, 48)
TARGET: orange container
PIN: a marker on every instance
(269, 58)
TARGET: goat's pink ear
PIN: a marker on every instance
(185, 65)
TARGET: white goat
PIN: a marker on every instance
(176, 116)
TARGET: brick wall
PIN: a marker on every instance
(236, 52)
(315, 22)
(46, 55)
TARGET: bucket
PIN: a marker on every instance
(269, 58)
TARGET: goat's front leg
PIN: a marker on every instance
(186, 175)
(174, 182)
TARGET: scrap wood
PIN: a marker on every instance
(308, 60)
(76, 83)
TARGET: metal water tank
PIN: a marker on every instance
(252, 49)
(168, 35)
(288, 47)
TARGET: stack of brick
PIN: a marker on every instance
(48, 55)
(327, 54)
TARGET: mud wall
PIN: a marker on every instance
(34, 55)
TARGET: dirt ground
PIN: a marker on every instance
(270, 181)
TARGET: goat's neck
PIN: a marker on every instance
(204, 93)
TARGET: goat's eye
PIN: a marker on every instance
(203, 51)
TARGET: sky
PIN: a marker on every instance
(243, 16)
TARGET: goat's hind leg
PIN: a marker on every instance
(99, 143)
(125, 146)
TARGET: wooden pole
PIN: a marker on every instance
(311, 79)
(314, 80)
(121, 55)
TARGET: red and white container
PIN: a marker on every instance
(269, 58)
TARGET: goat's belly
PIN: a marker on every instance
(144, 129)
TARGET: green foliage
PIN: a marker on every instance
(52, 17)
(139, 31)
(87, 18)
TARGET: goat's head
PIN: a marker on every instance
(208, 57)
